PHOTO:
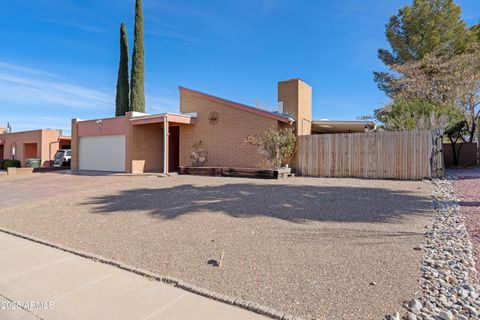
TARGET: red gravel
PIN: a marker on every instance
(467, 190)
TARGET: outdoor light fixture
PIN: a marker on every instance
(99, 123)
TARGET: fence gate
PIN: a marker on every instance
(402, 155)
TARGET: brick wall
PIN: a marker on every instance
(296, 96)
(148, 146)
(224, 141)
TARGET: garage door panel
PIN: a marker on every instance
(102, 153)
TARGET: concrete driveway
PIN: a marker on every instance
(315, 248)
(18, 190)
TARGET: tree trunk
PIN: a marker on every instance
(455, 155)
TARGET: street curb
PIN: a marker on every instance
(235, 301)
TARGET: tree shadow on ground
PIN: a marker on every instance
(286, 202)
(469, 203)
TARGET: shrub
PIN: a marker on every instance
(1, 164)
(11, 164)
(198, 155)
(276, 145)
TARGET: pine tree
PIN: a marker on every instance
(137, 92)
(426, 26)
(122, 99)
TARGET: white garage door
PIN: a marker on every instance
(104, 153)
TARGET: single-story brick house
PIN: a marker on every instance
(140, 142)
(35, 144)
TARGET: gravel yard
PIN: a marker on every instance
(449, 280)
(467, 190)
(315, 248)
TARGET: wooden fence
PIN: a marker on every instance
(404, 155)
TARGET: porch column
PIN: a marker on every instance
(74, 145)
(165, 144)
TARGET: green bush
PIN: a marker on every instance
(1, 164)
(11, 164)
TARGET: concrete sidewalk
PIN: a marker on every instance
(60, 285)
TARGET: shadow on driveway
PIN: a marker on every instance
(287, 202)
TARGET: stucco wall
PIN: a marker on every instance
(224, 140)
(98, 127)
(102, 127)
(45, 140)
(49, 147)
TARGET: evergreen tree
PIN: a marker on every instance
(137, 92)
(122, 98)
(476, 32)
(426, 26)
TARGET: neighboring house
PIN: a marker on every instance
(36, 144)
(136, 142)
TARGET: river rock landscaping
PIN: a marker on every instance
(467, 190)
(449, 280)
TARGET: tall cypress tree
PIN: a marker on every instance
(137, 92)
(122, 99)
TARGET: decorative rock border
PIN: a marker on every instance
(449, 281)
(244, 304)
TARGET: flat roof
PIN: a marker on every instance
(181, 118)
(33, 130)
(342, 126)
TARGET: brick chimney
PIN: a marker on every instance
(296, 97)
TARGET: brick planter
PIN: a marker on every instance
(19, 171)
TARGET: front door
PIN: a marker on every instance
(174, 149)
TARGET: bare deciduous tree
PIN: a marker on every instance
(198, 155)
(276, 145)
(444, 80)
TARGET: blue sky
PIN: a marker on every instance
(59, 58)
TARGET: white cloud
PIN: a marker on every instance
(33, 98)
(28, 86)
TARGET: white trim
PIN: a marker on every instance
(165, 149)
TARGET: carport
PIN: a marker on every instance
(136, 142)
(156, 141)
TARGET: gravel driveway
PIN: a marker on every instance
(316, 248)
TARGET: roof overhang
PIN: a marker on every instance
(336, 126)
(169, 117)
